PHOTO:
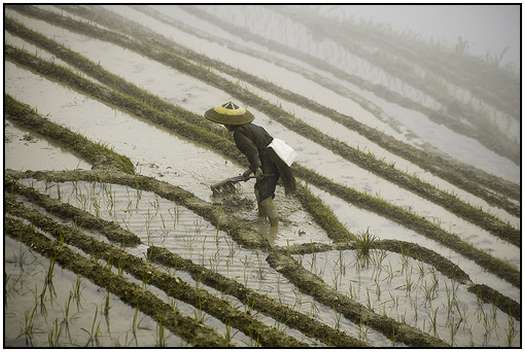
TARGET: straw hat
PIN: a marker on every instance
(229, 114)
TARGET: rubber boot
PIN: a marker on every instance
(268, 209)
(260, 213)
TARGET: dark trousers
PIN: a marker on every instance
(265, 186)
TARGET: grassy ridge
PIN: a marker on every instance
(365, 160)
(145, 272)
(227, 148)
(96, 154)
(132, 294)
(409, 249)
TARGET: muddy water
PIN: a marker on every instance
(26, 272)
(163, 223)
(456, 145)
(351, 138)
(145, 72)
(415, 292)
(359, 221)
(26, 151)
(155, 152)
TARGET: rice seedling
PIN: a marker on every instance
(160, 336)
(138, 197)
(164, 229)
(134, 324)
(337, 324)
(313, 262)
(29, 320)
(200, 316)
(96, 206)
(433, 321)
(364, 243)
(314, 310)
(260, 269)
(93, 331)
(510, 332)
(77, 292)
(59, 194)
(66, 318)
(106, 304)
(53, 336)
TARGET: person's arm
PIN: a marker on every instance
(248, 148)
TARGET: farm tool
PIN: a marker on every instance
(228, 185)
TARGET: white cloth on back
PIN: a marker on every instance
(284, 151)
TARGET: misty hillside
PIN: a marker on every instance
(404, 228)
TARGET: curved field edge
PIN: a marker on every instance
(240, 230)
(409, 249)
(367, 161)
(132, 294)
(144, 271)
(227, 148)
(498, 184)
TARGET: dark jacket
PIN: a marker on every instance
(253, 141)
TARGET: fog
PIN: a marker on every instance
(487, 28)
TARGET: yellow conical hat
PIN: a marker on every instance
(229, 113)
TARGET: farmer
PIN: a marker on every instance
(261, 150)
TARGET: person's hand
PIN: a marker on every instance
(258, 174)
(246, 174)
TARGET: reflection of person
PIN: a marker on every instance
(265, 164)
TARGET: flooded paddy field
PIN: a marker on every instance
(156, 227)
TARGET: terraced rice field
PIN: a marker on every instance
(405, 230)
